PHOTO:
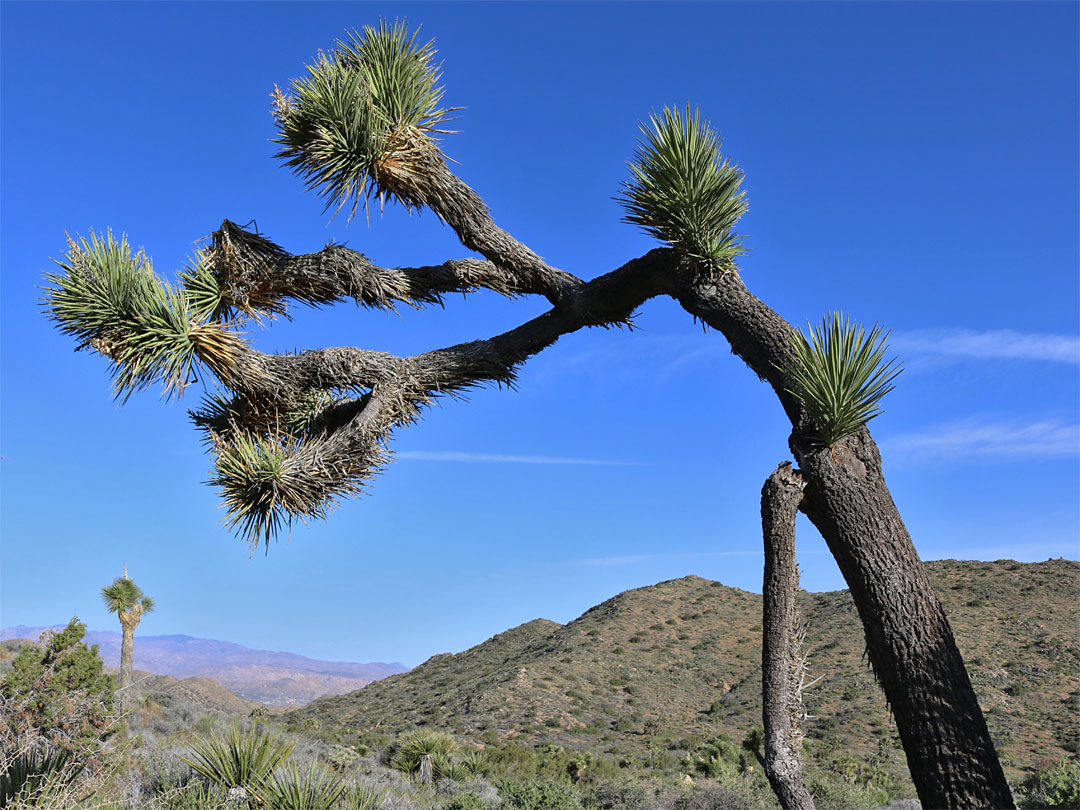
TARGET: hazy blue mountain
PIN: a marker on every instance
(267, 676)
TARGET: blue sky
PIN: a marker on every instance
(909, 163)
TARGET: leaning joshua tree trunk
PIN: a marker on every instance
(294, 433)
(781, 680)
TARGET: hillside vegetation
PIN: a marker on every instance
(666, 667)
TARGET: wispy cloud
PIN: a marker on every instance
(983, 437)
(995, 344)
(500, 458)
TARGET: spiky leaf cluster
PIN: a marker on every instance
(360, 124)
(153, 332)
(124, 595)
(683, 191)
(317, 788)
(239, 758)
(267, 481)
(840, 375)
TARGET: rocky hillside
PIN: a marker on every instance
(268, 677)
(666, 666)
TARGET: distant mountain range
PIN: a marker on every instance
(264, 676)
(665, 667)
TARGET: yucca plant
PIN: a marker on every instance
(840, 375)
(289, 788)
(153, 332)
(415, 753)
(476, 763)
(444, 766)
(362, 796)
(37, 775)
(362, 123)
(683, 191)
(239, 759)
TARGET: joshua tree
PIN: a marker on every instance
(292, 434)
(126, 600)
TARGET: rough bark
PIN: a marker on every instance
(129, 620)
(780, 677)
(911, 647)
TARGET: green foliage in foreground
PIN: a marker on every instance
(1055, 787)
(58, 694)
(239, 758)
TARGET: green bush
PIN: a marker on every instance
(537, 794)
(57, 695)
(1055, 787)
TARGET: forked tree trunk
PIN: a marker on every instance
(948, 746)
(780, 680)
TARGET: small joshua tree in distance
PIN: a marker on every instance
(126, 600)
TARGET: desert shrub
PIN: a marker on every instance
(838, 793)
(720, 758)
(537, 794)
(623, 794)
(735, 794)
(195, 795)
(342, 757)
(1055, 787)
(57, 695)
(469, 801)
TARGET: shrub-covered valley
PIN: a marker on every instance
(648, 700)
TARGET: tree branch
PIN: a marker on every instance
(257, 276)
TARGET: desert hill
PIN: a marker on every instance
(666, 666)
(266, 676)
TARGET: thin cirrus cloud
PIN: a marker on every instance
(500, 458)
(994, 344)
(988, 437)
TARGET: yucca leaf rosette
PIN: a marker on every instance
(362, 123)
(683, 191)
(840, 375)
(153, 332)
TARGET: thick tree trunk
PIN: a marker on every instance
(910, 644)
(781, 703)
(949, 750)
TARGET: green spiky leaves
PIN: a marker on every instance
(360, 125)
(683, 191)
(124, 595)
(268, 481)
(840, 375)
(154, 333)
